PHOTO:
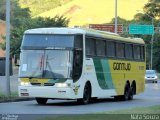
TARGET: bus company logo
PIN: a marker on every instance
(76, 89)
(121, 66)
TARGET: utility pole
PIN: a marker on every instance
(115, 28)
(7, 70)
(152, 43)
(152, 18)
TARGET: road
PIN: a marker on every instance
(150, 97)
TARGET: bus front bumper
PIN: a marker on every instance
(46, 92)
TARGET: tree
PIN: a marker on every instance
(18, 14)
(21, 20)
(57, 21)
(2, 9)
(152, 8)
(120, 21)
(125, 24)
(17, 32)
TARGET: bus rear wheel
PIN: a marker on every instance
(126, 92)
(86, 95)
(130, 97)
(41, 101)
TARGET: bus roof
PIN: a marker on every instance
(88, 32)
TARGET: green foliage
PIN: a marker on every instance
(156, 55)
(120, 20)
(2, 9)
(21, 21)
(40, 6)
(18, 14)
(17, 32)
(124, 22)
(152, 8)
(57, 21)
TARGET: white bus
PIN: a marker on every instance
(80, 64)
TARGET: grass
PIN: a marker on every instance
(85, 117)
(12, 96)
(142, 110)
(113, 115)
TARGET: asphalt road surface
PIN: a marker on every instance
(150, 97)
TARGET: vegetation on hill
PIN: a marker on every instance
(39, 6)
(84, 12)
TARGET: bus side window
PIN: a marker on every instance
(77, 64)
(142, 53)
(111, 52)
(136, 52)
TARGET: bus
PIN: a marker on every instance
(80, 64)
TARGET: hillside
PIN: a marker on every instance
(38, 6)
(83, 12)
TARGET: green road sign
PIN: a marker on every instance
(141, 29)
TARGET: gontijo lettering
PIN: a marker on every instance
(121, 66)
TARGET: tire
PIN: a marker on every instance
(41, 101)
(86, 95)
(126, 92)
(134, 89)
(130, 97)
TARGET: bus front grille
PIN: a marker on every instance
(43, 84)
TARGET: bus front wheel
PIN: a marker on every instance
(86, 95)
(41, 101)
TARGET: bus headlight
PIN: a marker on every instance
(155, 77)
(24, 83)
(62, 84)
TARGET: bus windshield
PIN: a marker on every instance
(46, 63)
(43, 41)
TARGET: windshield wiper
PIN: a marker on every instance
(41, 63)
(49, 72)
